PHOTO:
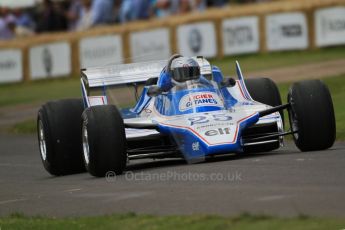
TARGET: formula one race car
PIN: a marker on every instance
(186, 109)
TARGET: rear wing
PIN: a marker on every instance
(121, 74)
(131, 73)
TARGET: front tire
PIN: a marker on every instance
(59, 131)
(104, 140)
(264, 90)
(312, 115)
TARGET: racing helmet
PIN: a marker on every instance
(184, 69)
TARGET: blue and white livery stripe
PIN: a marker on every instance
(243, 86)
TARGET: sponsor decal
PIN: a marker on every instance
(240, 35)
(196, 146)
(246, 103)
(195, 40)
(47, 60)
(50, 60)
(293, 30)
(145, 46)
(198, 100)
(7, 64)
(219, 131)
(330, 26)
(11, 69)
(335, 25)
(286, 31)
(100, 50)
(213, 125)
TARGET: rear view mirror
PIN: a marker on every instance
(154, 91)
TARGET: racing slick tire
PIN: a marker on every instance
(311, 115)
(59, 136)
(264, 90)
(104, 140)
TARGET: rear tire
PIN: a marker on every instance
(312, 115)
(59, 136)
(265, 91)
(104, 140)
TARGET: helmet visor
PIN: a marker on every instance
(182, 74)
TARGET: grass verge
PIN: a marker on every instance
(132, 221)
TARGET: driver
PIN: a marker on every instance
(182, 69)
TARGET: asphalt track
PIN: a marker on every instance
(283, 183)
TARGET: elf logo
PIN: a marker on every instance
(219, 131)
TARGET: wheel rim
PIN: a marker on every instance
(86, 148)
(42, 141)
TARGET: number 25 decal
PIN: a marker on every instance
(198, 120)
(205, 119)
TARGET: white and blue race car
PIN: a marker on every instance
(186, 108)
